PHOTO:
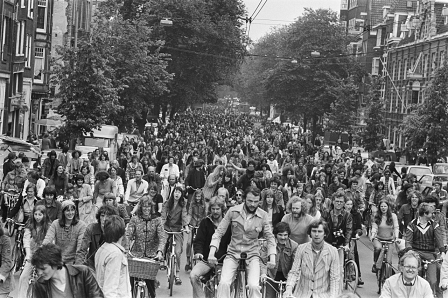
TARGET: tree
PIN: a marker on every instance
(86, 90)
(373, 133)
(426, 127)
(307, 88)
(111, 77)
(343, 110)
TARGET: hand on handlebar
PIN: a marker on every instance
(212, 261)
(198, 257)
(159, 256)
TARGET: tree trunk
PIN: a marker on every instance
(172, 112)
(314, 127)
(164, 109)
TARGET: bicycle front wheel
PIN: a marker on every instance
(10, 227)
(172, 274)
(240, 285)
(383, 274)
(351, 276)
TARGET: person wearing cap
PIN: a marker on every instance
(50, 165)
(67, 232)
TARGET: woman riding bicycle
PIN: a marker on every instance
(148, 236)
(35, 231)
(25, 204)
(197, 213)
(384, 228)
(175, 216)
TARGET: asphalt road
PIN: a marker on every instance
(365, 248)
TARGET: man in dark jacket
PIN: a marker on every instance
(244, 181)
(93, 237)
(79, 279)
(50, 165)
(207, 227)
(8, 166)
(195, 179)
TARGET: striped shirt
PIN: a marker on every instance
(424, 237)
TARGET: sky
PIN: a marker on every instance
(281, 12)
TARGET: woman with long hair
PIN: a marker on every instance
(103, 185)
(310, 200)
(268, 204)
(35, 230)
(175, 217)
(197, 212)
(59, 180)
(67, 232)
(212, 181)
(384, 227)
(377, 195)
(148, 236)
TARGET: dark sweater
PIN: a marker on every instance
(428, 241)
(204, 237)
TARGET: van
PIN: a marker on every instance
(105, 138)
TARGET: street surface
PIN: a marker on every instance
(365, 248)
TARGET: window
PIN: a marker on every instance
(442, 58)
(399, 70)
(22, 3)
(30, 9)
(405, 68)
(39, 64)
(4, 39)
(28, 51)
(378, 37)
(375, 66)
(425, 66)
(41, 15)
(414, 97)
(20, 38)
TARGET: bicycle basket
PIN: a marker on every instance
(143, 268)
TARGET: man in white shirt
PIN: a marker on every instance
(170, 169)
(33, 177)
(136, 188)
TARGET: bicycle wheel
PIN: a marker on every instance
(351, 276)
(172, 274)
(240, 285)
(382, 275)
(10, 227)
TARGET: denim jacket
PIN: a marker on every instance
(245, 232)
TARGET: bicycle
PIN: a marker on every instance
(351, 273)
(426, 263)
(141, 269)
(10, 198)
(18, 252)
(267, 281)
(211, 280)
(191, 261)
(238, 288)
(386, 269)
(171, 259)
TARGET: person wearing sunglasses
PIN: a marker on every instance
(407, 283)
(424, 235)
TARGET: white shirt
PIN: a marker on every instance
(40, 185)
(168, 170)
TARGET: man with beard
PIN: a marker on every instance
(207, 227)
(152, 176)
(247, 221)
(244, 181)
(298, 220)
(315, 272)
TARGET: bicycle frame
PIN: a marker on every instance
(281, 287)
(426, 264)
(239, 285)
(171, 260)
(380, 274)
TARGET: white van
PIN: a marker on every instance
(105, 138)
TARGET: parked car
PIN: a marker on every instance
(419, 171)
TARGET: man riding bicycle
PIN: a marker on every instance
(247, 221)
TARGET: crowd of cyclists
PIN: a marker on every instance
(243, 184)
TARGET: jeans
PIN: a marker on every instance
(431, 273)
(229, 270)
(24, 280)
(189, 240)
(179, 238)
(201, 268)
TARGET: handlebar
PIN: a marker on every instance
(432, 262)
(15, 222)
(173, 233)
(279, 282)
(219, 260)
